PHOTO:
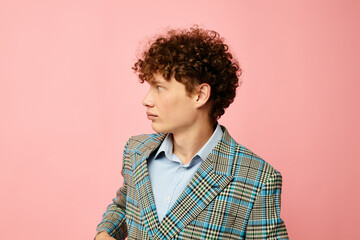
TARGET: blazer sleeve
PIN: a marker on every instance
(264, 221)
(113, 220)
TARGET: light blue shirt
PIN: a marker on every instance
(169, 177)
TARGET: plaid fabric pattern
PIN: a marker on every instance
(233, 195)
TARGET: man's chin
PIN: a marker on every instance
(157, 128)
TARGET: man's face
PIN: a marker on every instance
(169, 106)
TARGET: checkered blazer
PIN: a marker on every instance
(233, 195)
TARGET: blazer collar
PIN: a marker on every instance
(211, 178)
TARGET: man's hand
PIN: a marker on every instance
(104, 236)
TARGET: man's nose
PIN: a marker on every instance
(147, 101)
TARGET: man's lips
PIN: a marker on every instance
(151, 116)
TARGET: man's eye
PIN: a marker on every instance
(159, 88)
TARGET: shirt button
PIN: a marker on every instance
(182, 169)
(167, 198)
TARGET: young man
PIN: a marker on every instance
(191, 180)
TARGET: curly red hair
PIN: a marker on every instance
(193, 57)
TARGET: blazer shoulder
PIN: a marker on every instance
(254, 163)
(140, 143)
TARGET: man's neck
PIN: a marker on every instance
(188, 143)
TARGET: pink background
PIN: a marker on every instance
(69, 100)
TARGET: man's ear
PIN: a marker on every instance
(203, 92)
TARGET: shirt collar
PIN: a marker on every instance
(167, 145)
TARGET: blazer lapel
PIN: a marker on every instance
(210, 179)
(143, 185)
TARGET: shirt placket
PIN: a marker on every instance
(169, 197)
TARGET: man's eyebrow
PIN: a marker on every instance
(155, 81)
